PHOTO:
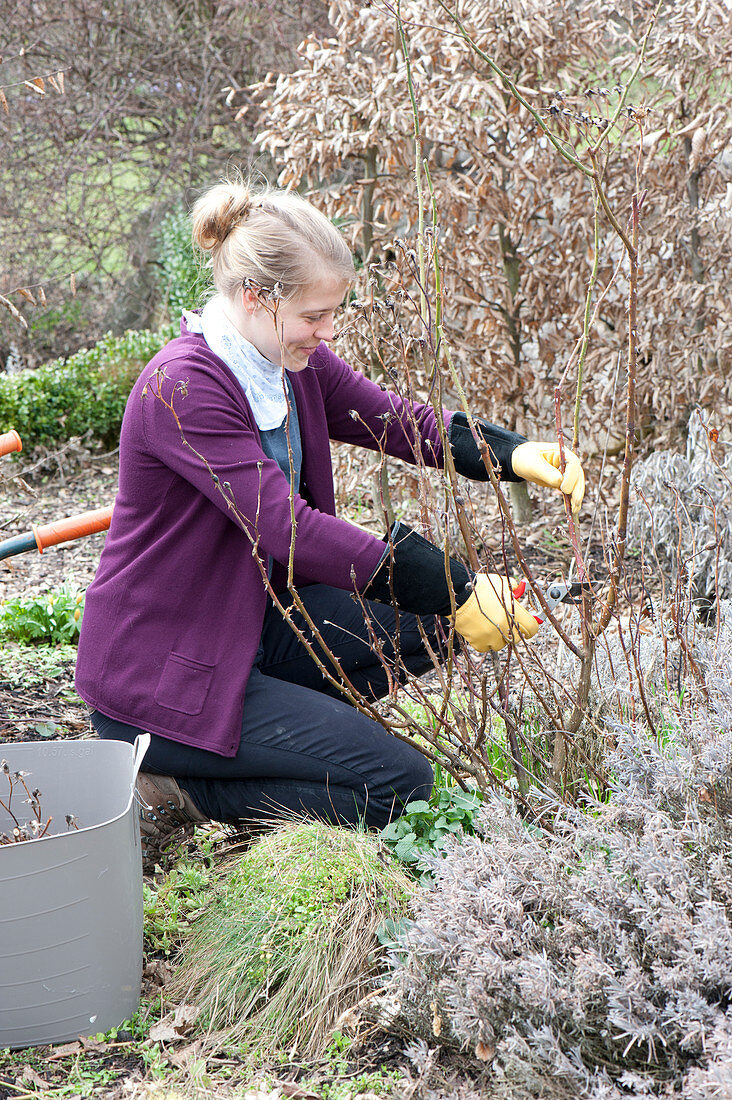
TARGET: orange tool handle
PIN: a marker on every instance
(10, 441)
(518, 593)
(73, 527)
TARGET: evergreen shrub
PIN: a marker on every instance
(183, 281)
(85, 393)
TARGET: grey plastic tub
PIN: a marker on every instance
(71, 903)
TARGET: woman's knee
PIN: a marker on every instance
(410, 779)
(420, 777)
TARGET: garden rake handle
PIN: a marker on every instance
(10, 441)
(73, 527)
(64, 530)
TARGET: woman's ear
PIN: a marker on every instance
(250, 300)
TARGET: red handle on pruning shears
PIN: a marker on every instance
(518, 592)
(49, 534)
(559, 592)
(63, 530)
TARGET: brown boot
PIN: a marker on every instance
(167, 816)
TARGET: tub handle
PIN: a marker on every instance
(142, 744)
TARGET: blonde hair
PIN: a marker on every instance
(269, 236)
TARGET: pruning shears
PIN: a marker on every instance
(558, 592)
(50, 534)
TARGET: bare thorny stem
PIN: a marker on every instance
(327, 664)
(629, 238)
(22, 832)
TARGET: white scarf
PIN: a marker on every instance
(261, 380)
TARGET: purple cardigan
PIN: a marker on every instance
(173, 618)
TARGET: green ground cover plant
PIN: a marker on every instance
(345, 1084)
(50, 618)
(426, 825)
(81, 1075)
(36, 667)
(172, 903)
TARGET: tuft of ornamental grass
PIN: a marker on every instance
(289, 941)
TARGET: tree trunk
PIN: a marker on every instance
(522, 507)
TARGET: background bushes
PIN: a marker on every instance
(85, 393)
(182, 278)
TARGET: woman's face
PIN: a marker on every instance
(290, 338)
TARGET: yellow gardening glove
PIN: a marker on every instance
(539, 463)
(492, 616)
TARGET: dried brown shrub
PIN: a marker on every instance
(515, 220)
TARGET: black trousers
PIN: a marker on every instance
(304, 750)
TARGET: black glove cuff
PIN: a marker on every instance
(467, 457)
(412, 573)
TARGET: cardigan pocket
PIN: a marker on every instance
(184, 684)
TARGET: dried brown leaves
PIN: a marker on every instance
(516, 222)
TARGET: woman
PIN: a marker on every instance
(225, 439)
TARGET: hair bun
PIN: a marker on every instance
(219, 211)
